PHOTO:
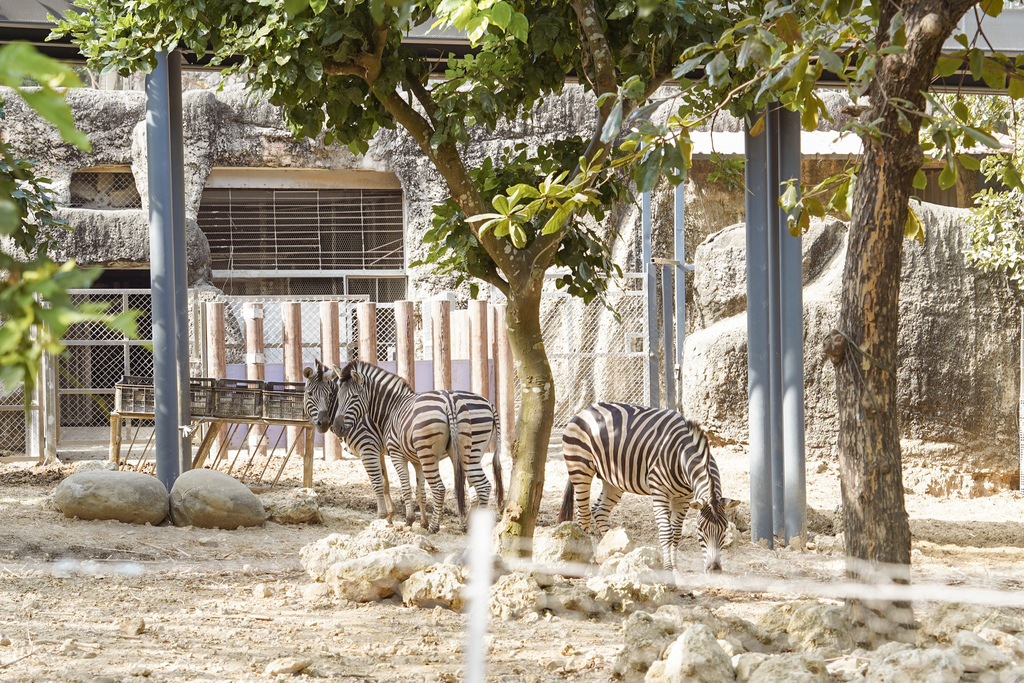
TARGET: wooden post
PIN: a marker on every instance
(255, 366)
(478, 352)
(330, 351)
(506, 383)
(366, 314)
(216, 360)
(460, 327)
(493, 320)
(291, 319)
(406, 346)
(442, 345)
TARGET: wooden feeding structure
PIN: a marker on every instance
(222, 407)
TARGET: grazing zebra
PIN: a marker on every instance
(650, 452)
(320, 400)
(418, 428)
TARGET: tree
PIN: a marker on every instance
(890, 53)
(34, 305)
(340, 69)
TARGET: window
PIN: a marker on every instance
(104, 189)
(255, 229)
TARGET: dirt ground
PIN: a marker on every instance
(222, 605)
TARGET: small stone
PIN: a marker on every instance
(209, 542)
(140, 671)
(316, 592)
(261, 591)
(68, 646)
(131, 626)
(4, 640)
(286, 665)
(89, 655)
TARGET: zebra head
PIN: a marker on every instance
(351, 395)
(711, 521)
(320, 398)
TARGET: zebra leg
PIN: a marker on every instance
(402, 467)
(373, 465)
(433, 477)
(608, 499)
(420, 495)
(663, 515)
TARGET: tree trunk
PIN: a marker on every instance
(863, 348)
(536, 417)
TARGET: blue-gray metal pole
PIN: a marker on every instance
(758, 411)
(177, 161)
(161, 259)
(666, 336)
(775, 323)
(680, 257)
(651, 283)
(792, 342)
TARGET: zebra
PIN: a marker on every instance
(320, 402)
(417, 429)
(650, 452)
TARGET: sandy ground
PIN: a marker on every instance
(222, 605)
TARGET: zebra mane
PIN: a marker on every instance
(368, 370)
(701, 437)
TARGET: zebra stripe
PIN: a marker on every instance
(649, 452)
(419, 429)
(320, 399)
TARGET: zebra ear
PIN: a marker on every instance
(696, 505)
(729, 503)
(307, 372)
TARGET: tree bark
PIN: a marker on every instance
(863, 348)
(536, 418)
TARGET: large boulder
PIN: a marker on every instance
(694, 657)
(794, 667)
(377, 575)
(644, 642)
(317, 558)
(209, 499)
(958, 335)
(131, 497)
(438, 585)
(563, 548)
(292, 506)
(916, 666)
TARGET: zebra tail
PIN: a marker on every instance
(565, 514)
(499, 485)
(457, 465)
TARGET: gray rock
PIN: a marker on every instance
(796, 667)
(562, 598)
(437, 585)
(515, 595)
(615, 542)
(623, 593)
(286, 665)
(95, 465)
(694, 657)
(317, 557)
(644, 642)
(746, 664)
(565, 544)
(377, 575)
(208, 498)
(292, 506)
(1011, 646)
(944, 621)
(977, 654)
(848, 667)
(916, 666)
(820, 627)
(131, 497)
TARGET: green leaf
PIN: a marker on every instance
(293, 7)
(830, 60)
(991, 7)
(518, 236)
(718, 69)
(1015, 89)
(501, 14)
(787, 29)
(558, 218)
(920, 179)
(913, 228)
(977, 62)
(613, 125)
(969, 162)
(317, 6)
(649, 170)
(982, 137)
(519, 27)
(947, 66)
(947, 178)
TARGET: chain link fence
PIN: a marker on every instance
(12, 422)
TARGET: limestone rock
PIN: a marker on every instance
(569, 597)
(292, 506)
(677, 618)
(208, 499)
(746, 664)
(515, 595)
(94, 465)
(819, 627)
(977, 654)
(565, 544)
(849, 667)
(619, 593)
(437, 585)
(1011, 646)
(131, 497)
(615, 542)
(916, 666)
(944, 621)
(317, 557)
(694, 657)
(377, 575)
(640, 565)
(286, 665)
(795, 667)
(644, 642)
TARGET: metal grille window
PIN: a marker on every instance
(104, 190)
(256, 229)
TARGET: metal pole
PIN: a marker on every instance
(180, 272)
(161, 259)
(651, 282)
(666, 335)
(775, 325)
(757, 338)
(792, 343)
(680, 256)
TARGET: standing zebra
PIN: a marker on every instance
(320, 401)
(419, 428)
(650, 452)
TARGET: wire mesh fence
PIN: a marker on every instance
(12, 421)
